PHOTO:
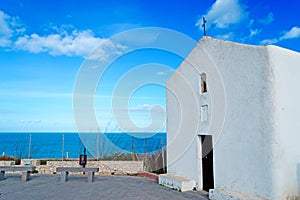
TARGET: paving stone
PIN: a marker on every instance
(103, 187)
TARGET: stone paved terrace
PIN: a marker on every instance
(104, 187)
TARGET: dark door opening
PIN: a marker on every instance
(207, 162)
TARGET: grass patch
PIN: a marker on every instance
(43, 162)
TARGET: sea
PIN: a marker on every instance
(71, 145)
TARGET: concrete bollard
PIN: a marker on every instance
(25, 176)
(64, 176)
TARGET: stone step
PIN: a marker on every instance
(149, 175)
(179, 183)
(223, 194)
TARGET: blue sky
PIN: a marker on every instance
(44, 43)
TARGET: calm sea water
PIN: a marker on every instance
(58, 145)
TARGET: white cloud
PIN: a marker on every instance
(254, 32)
(9, 26)
(141, 108)
(62, 29)
(5, 31)
(62, 40)
(227, 36)
(293, 33)
(268, 20)
(69, 43)
(239, 37)
(251, 22)
(231, 20)
(224, 13)
(105, 49)
(269, 41)
(36, 121)
(161, 73)
(76, 43)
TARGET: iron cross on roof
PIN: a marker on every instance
(203, 25)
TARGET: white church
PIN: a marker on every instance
(233, 122)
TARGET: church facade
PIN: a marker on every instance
(233, 120)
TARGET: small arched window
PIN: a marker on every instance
(203, 83)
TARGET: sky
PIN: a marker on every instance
(45, 44)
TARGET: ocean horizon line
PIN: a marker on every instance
(75, 132)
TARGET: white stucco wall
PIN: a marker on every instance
(183, 130)
(286, 145)
(243, 159)
(258, 143)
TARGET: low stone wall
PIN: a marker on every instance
(7, 163)
(31, 162)
(105, 167)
